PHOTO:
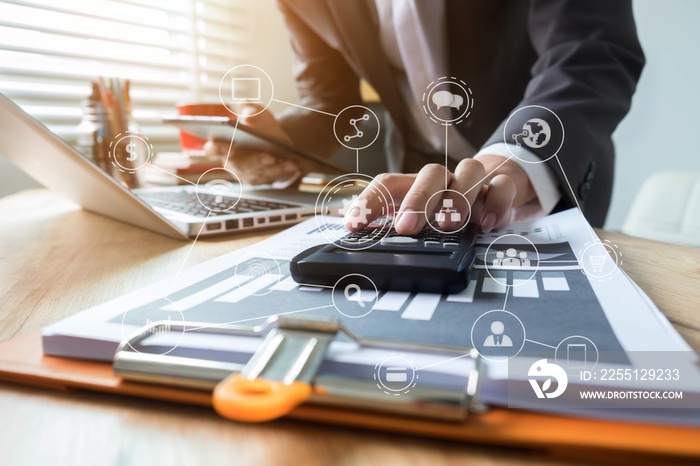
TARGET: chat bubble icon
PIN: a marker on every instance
(447, 99)
(442, 99)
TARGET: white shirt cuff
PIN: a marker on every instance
(540, 174)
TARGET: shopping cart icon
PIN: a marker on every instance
(598, 261)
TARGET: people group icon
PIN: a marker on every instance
(497, 337)
(511, 259)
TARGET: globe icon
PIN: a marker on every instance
(536, 133)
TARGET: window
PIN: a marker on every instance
(171, 50)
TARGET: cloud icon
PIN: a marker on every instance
(447, 99)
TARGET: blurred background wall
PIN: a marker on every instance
(660, 132)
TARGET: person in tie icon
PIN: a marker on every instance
(497, 338)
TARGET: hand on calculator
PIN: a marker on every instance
(492, 185)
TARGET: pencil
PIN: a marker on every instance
(107, 101)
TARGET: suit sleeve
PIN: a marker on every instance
(588, 63)
(324, 81)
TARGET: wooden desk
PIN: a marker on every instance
(56, 260)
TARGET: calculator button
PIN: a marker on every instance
(348, 240)
(450, 245)
(431, 243)
(399, 240)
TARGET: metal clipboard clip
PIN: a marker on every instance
(283, 372)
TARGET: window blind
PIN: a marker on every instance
(171, 50)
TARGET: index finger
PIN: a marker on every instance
(377, 200)
(468, 180)
(421, 199)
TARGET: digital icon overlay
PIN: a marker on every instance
(498, 335)
(535, 128)
(600, 260)
(536, 134)
(356, 127)
(130, 151)
(221, 193)
(355, 211)
(396, 374)
(246, 84)
(340, 197)
(355, 295)
(448, 101)
(143, 314)
(576, 353)
(358, 132)
(452, 213)
(246, 90)
(511, 252)
(257, 274)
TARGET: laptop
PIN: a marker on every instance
(177, 211)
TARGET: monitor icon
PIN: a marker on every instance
(246, 90)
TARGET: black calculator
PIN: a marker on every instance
(431, 261)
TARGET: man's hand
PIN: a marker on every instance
(491, 185)
(254, 167)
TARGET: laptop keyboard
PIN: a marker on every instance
(187, 203)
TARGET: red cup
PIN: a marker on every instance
(188, 142)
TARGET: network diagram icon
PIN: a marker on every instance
(358, 131)
(448, 210)
(362, 213)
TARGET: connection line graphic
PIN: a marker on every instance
(313, 285)
(446, 151)
(230, 146)
(169, 173)
(488, 174)
(188, 254)
(540, 343)
(443, 362)
(590, 229)
(305, 108)
(214, 325)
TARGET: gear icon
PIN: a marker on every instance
(361, 217)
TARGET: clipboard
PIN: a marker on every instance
(284, 372)
(22, 362)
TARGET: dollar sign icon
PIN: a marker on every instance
(131, 149)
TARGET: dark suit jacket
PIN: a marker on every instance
(579, 58)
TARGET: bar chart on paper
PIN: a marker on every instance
(546, 292)
(539, 300)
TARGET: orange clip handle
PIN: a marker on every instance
(257, 400)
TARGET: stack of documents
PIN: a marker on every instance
(566, 304)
